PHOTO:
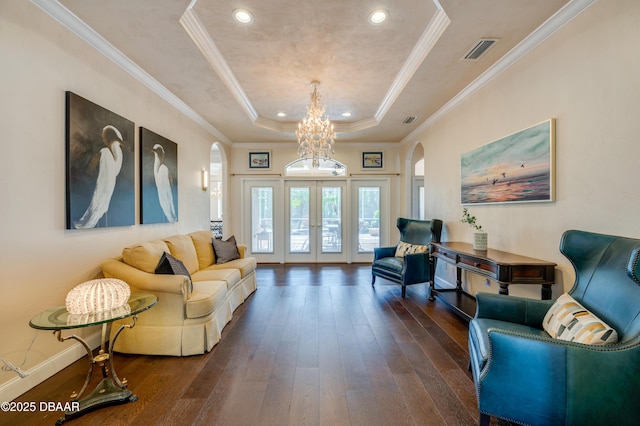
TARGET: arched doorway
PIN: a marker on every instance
(417, 183)
(216, 190)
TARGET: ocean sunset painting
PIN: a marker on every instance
(517, 168)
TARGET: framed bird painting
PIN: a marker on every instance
(518, 168)
(100, 189)
(159, 178)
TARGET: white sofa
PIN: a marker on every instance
(184, 321)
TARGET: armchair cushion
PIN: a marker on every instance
(569, 320)
(393, 264)
(479, 335)
(407, 248)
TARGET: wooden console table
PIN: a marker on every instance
(502, 267)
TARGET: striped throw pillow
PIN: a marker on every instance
(406, 248)
(569, 320)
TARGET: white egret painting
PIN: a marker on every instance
(159, 178)
(517, 168)
(100, 166)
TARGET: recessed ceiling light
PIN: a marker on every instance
(281, 114)
(378, 16)
(243, 16)
(346, 114)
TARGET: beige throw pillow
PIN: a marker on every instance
(405, 248)
(569, 320)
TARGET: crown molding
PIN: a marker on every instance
(540, 34)
(74, 24)
(193, 26)
(293, 144)
(202, 39)
(439, 22)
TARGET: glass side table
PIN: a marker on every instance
(111, 390)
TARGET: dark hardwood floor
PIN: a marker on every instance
(314, 345)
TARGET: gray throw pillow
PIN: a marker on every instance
(225, 250)
(169, 265)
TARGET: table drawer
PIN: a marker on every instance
(480, 266)
(447, 255)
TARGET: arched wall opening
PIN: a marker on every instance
(416, 173)
(217, 185)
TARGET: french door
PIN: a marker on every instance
(314, 221)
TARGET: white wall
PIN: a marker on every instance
(586, 75)
(40, 260)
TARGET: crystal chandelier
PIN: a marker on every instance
(315, 133)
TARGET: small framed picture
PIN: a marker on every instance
(372, 160)
(259, 160)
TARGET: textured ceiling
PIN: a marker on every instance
(237, 77)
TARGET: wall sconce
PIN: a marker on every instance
(204, 176)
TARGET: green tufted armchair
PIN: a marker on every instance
(411, 268)
(524, 376)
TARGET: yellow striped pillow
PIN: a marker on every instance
(569, 320)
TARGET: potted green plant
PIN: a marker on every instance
(479, 237)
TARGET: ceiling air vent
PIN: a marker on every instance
(409, 120)
(479, 48)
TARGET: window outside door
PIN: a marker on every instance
(370, 217)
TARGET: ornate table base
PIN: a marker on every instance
(111, 390)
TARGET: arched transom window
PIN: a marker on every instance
(327, 168)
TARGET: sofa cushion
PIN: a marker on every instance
(245, 265)
(205, 298)
(181, 246)
(406, 248)
(145, 256)
(225, 250)
(204, 248)
(568, 320)
(230, 276)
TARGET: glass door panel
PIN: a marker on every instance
(368, 218)
(299, 220)
(331, 219)
(262, 219)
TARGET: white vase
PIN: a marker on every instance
(480, 241)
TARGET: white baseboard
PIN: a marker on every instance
(41, 372)
(442, 283)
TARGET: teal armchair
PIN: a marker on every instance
(524, 376)
(411, 268)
